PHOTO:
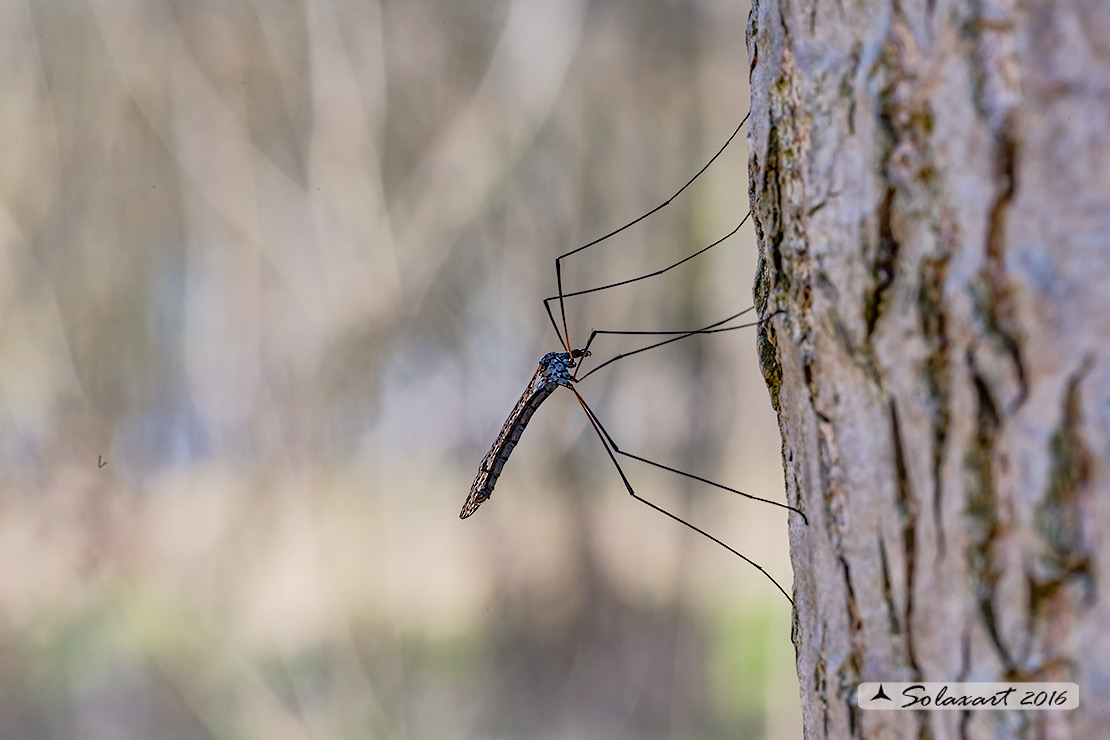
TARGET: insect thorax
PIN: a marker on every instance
(555, 366)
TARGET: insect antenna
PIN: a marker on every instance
(613, 450)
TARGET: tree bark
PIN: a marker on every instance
(931, 191)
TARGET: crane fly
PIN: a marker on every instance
(562, 369)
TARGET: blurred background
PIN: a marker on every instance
(280, 264)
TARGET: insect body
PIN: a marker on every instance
(553, 371)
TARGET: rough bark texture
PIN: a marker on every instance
(931, 188)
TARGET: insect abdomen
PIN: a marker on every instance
(551, 373)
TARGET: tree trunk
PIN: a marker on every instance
(931, 189)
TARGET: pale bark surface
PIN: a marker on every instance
(931, 188)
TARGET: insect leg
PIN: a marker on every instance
(564, 335)
(613, 451)
(616, 448)
(674, 336)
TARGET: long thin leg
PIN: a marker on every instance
(564, 336)
(563, 296)
(607, 441)
(611, 449)
(713, 328)
(616, 448)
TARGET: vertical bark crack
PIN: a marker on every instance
(888, 592)
(934, 329)
(882, 268)
(820, 682)
(1060, 516)
(983, 526)
(907, 515)
(995, 296)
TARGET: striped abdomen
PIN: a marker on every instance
(551, 373)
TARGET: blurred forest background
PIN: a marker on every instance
(280, 264)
